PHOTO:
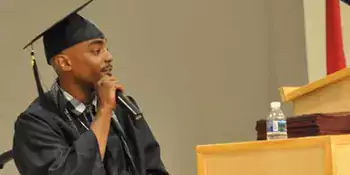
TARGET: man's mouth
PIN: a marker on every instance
(107, 70)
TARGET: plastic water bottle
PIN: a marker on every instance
(276, 123)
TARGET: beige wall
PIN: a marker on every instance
(316, 38)
(202, 71)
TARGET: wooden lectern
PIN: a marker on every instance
(321, 155)
(330, 94)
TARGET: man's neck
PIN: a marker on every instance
(77, 91)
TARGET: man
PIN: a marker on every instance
(78, 127)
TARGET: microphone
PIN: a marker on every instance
(127, 103)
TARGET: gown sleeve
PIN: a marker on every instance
(38, 149)
(153, 161)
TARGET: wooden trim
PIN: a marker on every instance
(329, 168)
(288, 94)
(343, 139)
(201, 165)
(318, 141)
(286, 90)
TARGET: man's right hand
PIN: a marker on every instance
(106, 91)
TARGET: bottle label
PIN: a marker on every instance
(276, 126)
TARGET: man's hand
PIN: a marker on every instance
(106, 89)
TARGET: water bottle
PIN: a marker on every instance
(276, 123)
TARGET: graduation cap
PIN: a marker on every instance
(64, 30)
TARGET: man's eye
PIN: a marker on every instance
(96, 52)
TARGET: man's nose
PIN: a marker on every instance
(109, 57)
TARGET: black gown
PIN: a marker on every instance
(47, 143)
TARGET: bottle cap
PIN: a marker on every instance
(275, 104)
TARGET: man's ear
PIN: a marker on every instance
(62, 62)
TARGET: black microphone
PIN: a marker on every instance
(127, 103)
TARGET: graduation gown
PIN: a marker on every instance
(46, 143)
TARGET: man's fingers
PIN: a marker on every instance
(100, 82)
(106, 79)
(113, 83)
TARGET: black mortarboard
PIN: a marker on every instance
(66, 32)
(66, 29)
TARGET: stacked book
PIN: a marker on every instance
(311, 125)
